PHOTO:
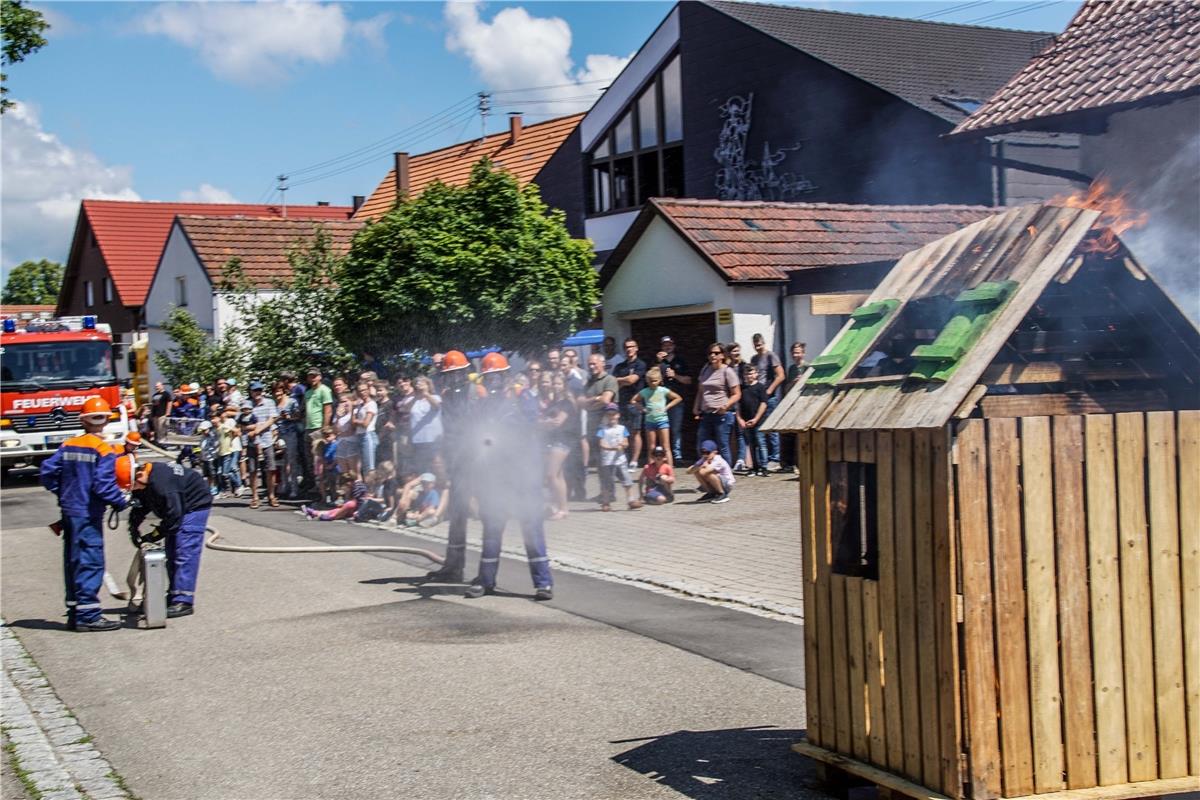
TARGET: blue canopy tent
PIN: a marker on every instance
(591, 336)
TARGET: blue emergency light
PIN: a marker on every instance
(89, 323)
(10, 326)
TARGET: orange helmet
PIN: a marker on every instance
(453, 360)
(96, 407)
(124, 470)
(134, 438)
(493, 362)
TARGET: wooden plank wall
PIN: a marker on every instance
(1079, 544)
(881, 656)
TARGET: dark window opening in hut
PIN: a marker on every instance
(853, 528)
(918, 323)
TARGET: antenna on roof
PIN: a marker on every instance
(485, 108)
(282, 187)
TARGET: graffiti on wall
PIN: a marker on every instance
(740, 178)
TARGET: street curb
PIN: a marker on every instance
(50, 751)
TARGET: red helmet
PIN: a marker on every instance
(124, 471)
(96, 407)
(493, 362)
(453, 360)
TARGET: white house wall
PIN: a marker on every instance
(178, 260)
(606, 232)
(816, 331)
(755, 309)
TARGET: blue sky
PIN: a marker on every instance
(209, 101)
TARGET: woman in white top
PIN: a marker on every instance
(347, 436)
(365, 412)
(425, 420)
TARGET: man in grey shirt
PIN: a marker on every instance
(600, 390)
(261, 455)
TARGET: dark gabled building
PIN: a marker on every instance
(745, 101)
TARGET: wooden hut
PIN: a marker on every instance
(999, 462)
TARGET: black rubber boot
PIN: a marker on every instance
(478, 590)
(96, 625)
(445, 575)
(179, 610)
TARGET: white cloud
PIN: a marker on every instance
(516, 50)
(207, 193)
(44, 180)
(262, 42)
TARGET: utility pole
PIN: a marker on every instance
(282, 187)
(485, 108)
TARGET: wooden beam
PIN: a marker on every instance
(1057, 404)
(873, 774)
(1058, 372)
(840, 303)
(1123, 791)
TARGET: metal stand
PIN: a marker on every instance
(154, 602)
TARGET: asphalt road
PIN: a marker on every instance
(312, 676)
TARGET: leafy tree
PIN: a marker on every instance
(466, 267)
(195, 356)
(22, 28)
(293, 329)
(33, 283)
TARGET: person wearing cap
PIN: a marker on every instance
(82, 473)
(181, 500)
(234, 398)
(186, 409)
(261, 451)
(420, 504)
(318, 414)
(714, 474)
(657, 481)
(675, 376)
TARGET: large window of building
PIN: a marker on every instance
(641, 155)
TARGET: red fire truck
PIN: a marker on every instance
(47, 370)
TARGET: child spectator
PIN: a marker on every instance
(229, 451)
(713, 473)
(210, 443)
(352, 492)
(658, 478)
(613, 439)
(422, 503)
(750, 410)
(372, 505)
(327, 467)
(657, 400)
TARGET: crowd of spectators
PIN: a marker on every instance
(370, 447)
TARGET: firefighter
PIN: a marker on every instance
(181, 500)
(508, 481)
(82, 473)
(456, 391)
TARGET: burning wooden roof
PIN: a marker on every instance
(1037, 311)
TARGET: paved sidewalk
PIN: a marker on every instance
(744, 553)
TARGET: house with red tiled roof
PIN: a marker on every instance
(198, 248)
(705, 271)
(527, 151)
(117, 245)
(1125, 77)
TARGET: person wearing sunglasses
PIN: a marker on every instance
(718, 393)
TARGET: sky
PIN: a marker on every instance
(210, 101)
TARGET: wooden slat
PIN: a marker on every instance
(873, 666)
(945, 582)
(826, 304)
(1105, 584)
(1137, 624)
(1109, 402)
(885, 780)
(1070, 508)
(859, 745)
(1012, 653)
(927, 644)
(979, 664)
(885, 523)
(1189, 528)
(808, 544)
(821, 589)
(1044, 694)
(1057, 372)
(833, 446)
(906, 604)
(866, 447)
(1166, 598)
(850, 445)
(841, 662)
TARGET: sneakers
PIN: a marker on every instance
(309, 512)
(722, 499)
(543, 593)
(96, 625)
(606, 507)
(740, 466)
(633, 465)
(762, 473)
(704, 498)
(478, 590)
(176, 610)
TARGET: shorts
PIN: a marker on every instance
(347, 447)
(726, 485)
(259, 457)
(631, 417)
(656, 494)
(558, 447)
(660, 425)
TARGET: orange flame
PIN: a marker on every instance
(1116, 215)
(1032, 231)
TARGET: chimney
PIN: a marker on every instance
(356, 202)
(322, 202)
(401, 160)
(514, 127)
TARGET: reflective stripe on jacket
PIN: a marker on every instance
(81, 473)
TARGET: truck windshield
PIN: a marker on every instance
(60, 364)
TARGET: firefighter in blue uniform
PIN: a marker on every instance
(508, 482)
(182, 501)
(459, 397)
(81, 473)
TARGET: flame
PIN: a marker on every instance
(1032, 230)
(1116, 215)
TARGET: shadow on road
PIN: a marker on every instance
(731, 764)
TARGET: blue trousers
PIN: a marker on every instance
(675, 419)
(756, 443)
(772, 438)
(716, 427)
(83, 567)
(184, 547)
(535, 549)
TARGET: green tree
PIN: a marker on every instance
(465, 267)
(293, 328)
(33, 283)
(195, 357)
(22, 28)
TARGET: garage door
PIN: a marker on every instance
(693, 333)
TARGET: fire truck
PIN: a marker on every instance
(47, 370)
